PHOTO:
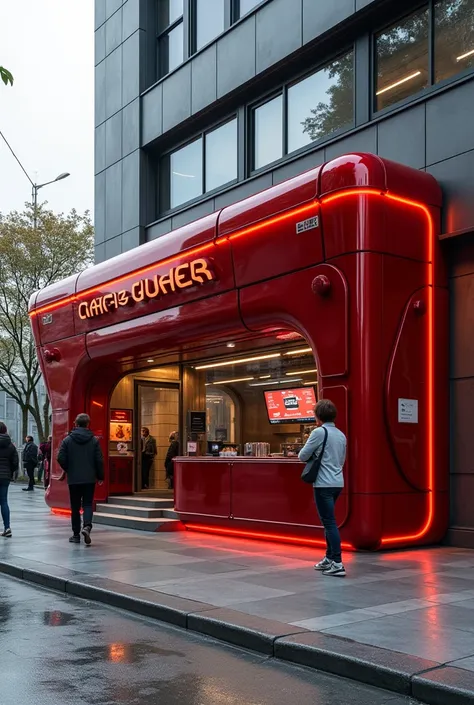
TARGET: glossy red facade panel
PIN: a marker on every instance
(364, 283)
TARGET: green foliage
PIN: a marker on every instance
(6, 76)
(31, 259)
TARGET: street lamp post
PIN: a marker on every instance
(34, 193)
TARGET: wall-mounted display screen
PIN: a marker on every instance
(121, 425)
(290, 405)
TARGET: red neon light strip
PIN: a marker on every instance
(279, 538)
(58, 511)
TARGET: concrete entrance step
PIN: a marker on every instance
(138, 523)
(139, 501)
(134, 511)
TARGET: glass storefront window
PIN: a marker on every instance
(268, 132)
(321, 104)
(210, 21)
(221, 155)
(186, 173)
(453, 37)
(402, 59)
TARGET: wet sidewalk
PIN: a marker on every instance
(418, 603)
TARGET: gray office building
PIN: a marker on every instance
(200, 103)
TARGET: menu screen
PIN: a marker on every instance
(290, 405)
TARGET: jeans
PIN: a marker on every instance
(325, 498)
(4, 485)
(30, 469)
(81, 496)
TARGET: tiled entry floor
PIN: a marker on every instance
(416, 602)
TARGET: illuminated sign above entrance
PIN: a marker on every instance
(175, 280)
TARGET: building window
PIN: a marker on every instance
(209, 21)
(321, 104)
(205, 164)
(402, 59)
(268, 132)
(11, 407)
(242, 7)
(170, 35)
(453, 37)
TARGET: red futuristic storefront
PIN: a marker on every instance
(344, 259)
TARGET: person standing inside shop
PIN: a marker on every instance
(148, 456)
(173, 452)
(329, 481)
(30, 461)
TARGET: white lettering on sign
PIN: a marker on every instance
(308, 224)
(408, 411)
(47, 319)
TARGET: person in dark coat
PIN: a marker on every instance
(149, 450)
(30, 461)
(8, 470)
(173, 452)
(45, 460)
(80, 457)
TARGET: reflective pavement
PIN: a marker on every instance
(57, 650)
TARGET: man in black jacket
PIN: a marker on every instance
(30, 461)
(80, 457)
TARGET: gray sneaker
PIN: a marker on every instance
(86, 532)
(323, 565)
(336, 569)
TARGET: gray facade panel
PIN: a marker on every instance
(131, 239)
(113, 139)
(131, 69)
(99, 152)
(177, 97)
(113, 82)
(402, 137)
(113, 32)
(99, 253)
(99, 44)
(100, 15)
(363, 3)
(113, 247)
(279, 31)
(204, 79)
(462, 322)
(193, 213)
(462, 393)
(100, 93)
(157, 230)
(111, 6)
(455, 178)
(288, 171)
(131, 191)
(131, 127)
(130, 18)
(363, 141)
(113, 201)
(99, 209)
(246, 189)
(236, 63)
(152, 114)
(319, 17)
(449, 123)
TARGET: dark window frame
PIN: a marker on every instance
(161, 35)
(164, 170)
(283, 91)
(236, 15)
(192, 9)
(432, 86)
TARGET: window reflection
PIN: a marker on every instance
(268, 130)
(172, 49)
(210, 21)
(402, 59)
(247, 5)
(168, 12)
(221, 155)
(186, 173)
(453, 37)
(321, 103)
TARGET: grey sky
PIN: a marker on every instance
(48, 115)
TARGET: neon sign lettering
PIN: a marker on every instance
(192, 273)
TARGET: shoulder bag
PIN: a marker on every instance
(311, 469)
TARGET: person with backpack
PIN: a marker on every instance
(8, 470)
(80, 457)
(326, 447)
(30, 461)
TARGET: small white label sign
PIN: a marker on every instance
(408, 411)
(308, 224)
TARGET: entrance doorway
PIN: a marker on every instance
(157, 407)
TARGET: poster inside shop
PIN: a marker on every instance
(121, 425)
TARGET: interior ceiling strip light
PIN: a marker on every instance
(299, 352)
(464, 56)
(399, 83)
(229, 381)
(277, 381)
(229, 363)
(301, 372)
(312, 382)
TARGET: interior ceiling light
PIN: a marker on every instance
(301, 372)
(464, 56)
(277, 381)
(150, 360)
(399, 83)
(315, 381)
(229, 381)
(265, 377)
(229, 363)
(300, 351)
(231, 345)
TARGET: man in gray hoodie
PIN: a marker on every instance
(80, 457)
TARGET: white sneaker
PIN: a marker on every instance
(335, 569)
(323, 565)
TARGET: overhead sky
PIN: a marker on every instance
(48, 115)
